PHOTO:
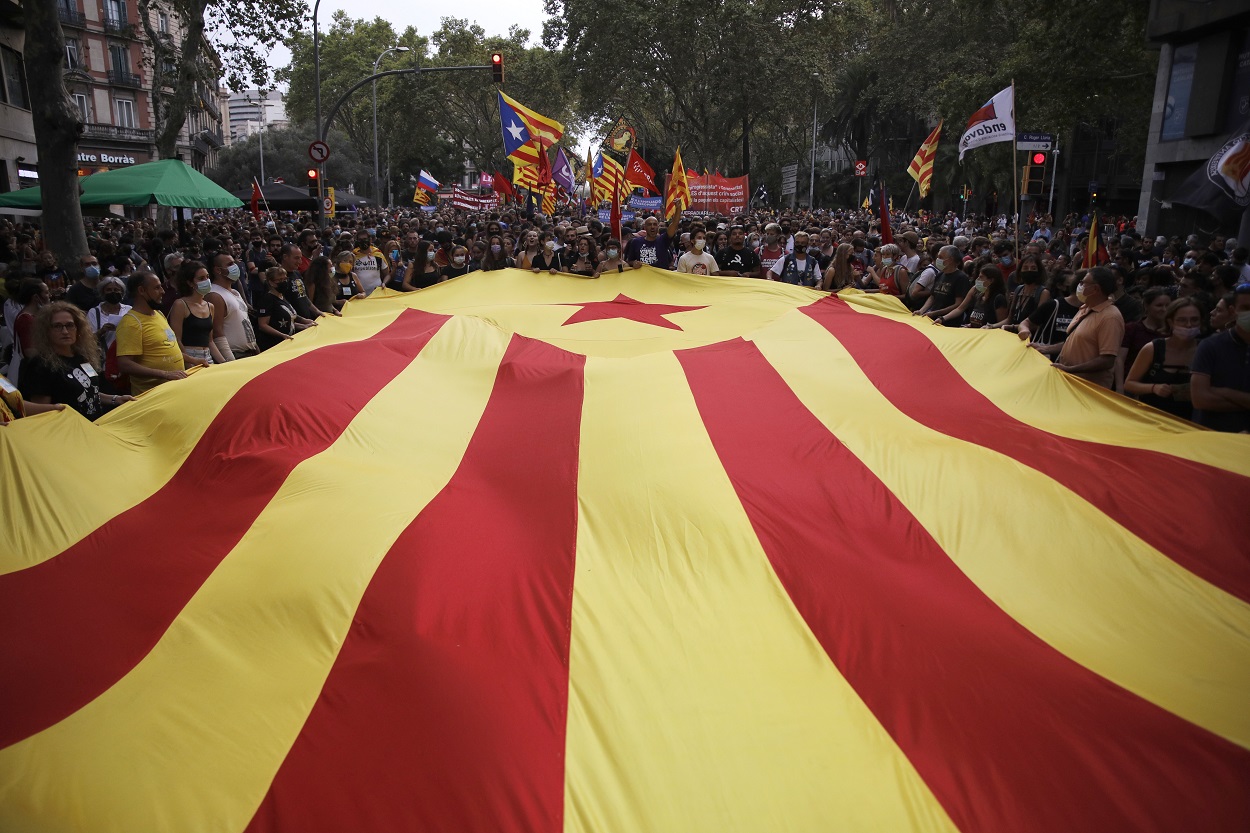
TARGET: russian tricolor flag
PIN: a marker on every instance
(427, 182)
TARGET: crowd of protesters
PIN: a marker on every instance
(1163, 319)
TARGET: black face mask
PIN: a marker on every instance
(113, 297)
(1028, 277)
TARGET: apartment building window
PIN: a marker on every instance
(119, 57)
(125, 109)
(13, 90)
(83, 101)
(115, 12)
(71, 54)
(162, 23)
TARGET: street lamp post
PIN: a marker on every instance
(811, 182)
(377, 185)
(321, 213)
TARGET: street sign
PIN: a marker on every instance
(318, 152)
(328, 202)
(1035, 141)
(1093, 186)
(861, 167)
(789, 179)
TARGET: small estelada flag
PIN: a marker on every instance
(921, 167)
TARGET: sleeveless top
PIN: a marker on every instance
(196, 331)
(1162, 373)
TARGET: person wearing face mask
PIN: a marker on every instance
(1152, 324)
(85, 292)
(1159, 375)
(612, 258)
(951, 286)
(346, 285)
(1097, 331)
(584, 260)
(1028, 296)
(1004, 261)
(237, 339)
(191, 317)
(322, 287)
(738, 260)
(147, 349)
(697, 261)
(773, 249)
(371, 265)
(496, 255)
(422, 273)
(548, 259)
(104, 316)
(1220, 374)
(459, 264)
(279, 321)
(885, 275)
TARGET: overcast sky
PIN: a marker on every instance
(495, 16)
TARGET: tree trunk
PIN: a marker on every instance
(58, 124)
(746, 145)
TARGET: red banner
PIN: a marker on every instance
(471, 202)
(719, 194)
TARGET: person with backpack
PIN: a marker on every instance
(1159, 376)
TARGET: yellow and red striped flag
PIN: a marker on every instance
(677, 189)
(421, 197)
(549, 199)
(921, 167)
(526, 132)
(609, 178)
(525, 176)
(539, 635)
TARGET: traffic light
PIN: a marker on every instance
(496, 67)
(312, 183)
(1035, 175)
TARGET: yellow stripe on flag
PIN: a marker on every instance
(123, 469)
(1161, 632)
(223, 697)
(705, 707)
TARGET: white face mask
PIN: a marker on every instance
(551, 244)
(940, 263)
(459, 260)
(613, 252)
(204, 287)
(1187, 333)
(233, 272)
(887, 261)
(980, 285)
(699, 244)
(1080, 296)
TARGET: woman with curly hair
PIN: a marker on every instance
(65, 367)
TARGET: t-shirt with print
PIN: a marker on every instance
(737, 260)
(150, 341)
(368, 267)
(73, 382)
(697, 263)
(950, 289)
(281, 317)
(657, 252)
(769, 257)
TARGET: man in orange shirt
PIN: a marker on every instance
(1096, 332)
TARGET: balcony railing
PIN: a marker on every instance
(213, 137)
(201, 147)
(120, 134)
(118, 26)
(71, 17)
(209, 102)
(122, 78)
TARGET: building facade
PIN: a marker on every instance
(252, 111)
(109, 74)
(1202, 97)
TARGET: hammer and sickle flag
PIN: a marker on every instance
(685, 553)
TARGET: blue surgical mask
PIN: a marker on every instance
(1189, 263)
(233, 272)
(204, 287)
(91, 272)
(1005, 260)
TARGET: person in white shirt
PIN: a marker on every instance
(697, 261)
(105, 315)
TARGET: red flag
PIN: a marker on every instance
(883, 209)
(544, 168)
(639, 173)
(503, 187)
(256, 200)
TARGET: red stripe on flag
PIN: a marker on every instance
(73, 625)
(1101, 474)
(1007, 732)
(446, 706)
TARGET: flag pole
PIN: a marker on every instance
(1015, 178)
(907, 202)
(262, 197)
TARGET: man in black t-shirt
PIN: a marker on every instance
(951, 286)
(738, 261)
(296, 293)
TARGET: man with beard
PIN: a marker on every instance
(736, 260)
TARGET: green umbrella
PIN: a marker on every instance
(169, 182)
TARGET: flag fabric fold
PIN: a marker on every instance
(921, 167)
(427, 182)
(525, 131)
(880, 202)
(1221, 187)
(639, 173)
(994, 122)
(677, 190)
(255, 200)
(420, 196)
(609, 178)
(562, 172)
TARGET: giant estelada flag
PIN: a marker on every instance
(654, 552)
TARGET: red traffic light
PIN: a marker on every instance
(496, 67)
(312, 173)
(1039, 158)
(496, 58)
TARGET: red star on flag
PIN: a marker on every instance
(622, 306)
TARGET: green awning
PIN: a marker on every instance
(169, 182)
